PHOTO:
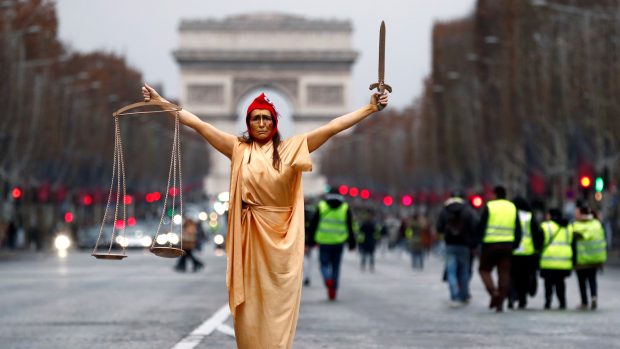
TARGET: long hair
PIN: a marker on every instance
(276, 139)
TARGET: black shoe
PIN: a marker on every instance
(197, 267)
(547, 305)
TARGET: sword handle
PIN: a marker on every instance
(380, 87)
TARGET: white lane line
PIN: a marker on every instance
(206, 328)
(227, 330)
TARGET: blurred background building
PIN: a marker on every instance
(303, 65)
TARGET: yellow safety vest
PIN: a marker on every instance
(501, 222)
(592, 247)
(526, 246)
(332, 227)
(557, 252)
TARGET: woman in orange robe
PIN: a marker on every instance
(265, 238)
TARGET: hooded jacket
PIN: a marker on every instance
(457, 222)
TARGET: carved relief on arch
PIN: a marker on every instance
(289, 87)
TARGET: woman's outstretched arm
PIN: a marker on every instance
(220, 140)
(317, 137)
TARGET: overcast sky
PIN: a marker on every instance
(146, 32)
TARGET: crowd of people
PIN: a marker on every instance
(519, 241)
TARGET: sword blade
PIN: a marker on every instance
(382, 52)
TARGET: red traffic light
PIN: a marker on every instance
(365, 194)
(87, 200)
(343, 189)
(354, 191)
(585, 181)
(388, 201)
(68, 217)
(16, 193)
(476, 201)
(407, 200)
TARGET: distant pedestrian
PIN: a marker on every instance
(500, 230)
(556, 258)
(591, 250)
(370, 232)
(190, 242)
(308, 244)
(331, 227)
(457, 223)
(411, 232)
(525, 258)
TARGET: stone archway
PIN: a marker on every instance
(308, 61)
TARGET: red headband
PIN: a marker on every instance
(262, 102)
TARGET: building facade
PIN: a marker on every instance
(225, 63)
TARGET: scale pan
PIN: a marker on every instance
(108, 256)
(168, 252)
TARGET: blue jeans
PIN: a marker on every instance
(457, 271)
(330, 257)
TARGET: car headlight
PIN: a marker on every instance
(173, 238)
(121, 240)
(146, 241)
(62, 242)
(218, 239)
(162, 239)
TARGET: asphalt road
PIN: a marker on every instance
(141, 302)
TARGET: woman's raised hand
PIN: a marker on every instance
(379, 100)
(150, 94)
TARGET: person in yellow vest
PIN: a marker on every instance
(331, 227)
(556, 257)
(411, 232)
(591, 250)
(525, 258)
(500, 231)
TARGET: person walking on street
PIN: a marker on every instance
(500, 230)
(591, 250)
(370, 232)
(331, 227)
(457, 223)
(556, 257)
(411, 234)
(525, 258)
(190, 243)
(308, 244)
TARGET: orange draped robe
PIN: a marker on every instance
(265, 242)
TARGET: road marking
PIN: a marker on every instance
(215, 322)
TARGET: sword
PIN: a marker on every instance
(381, 85)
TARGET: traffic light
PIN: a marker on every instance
(68, 217)
(365, 194)
(585, 182)
(343, 189)
(476, 201)
(354, 191)
(407, 200)
(16, 193)
(387, 200)
(599, 184)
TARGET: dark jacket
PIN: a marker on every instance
(334, 201)
(457, 222)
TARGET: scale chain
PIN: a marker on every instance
(180, 177)
(105, 213)
(161, 221)
(174, 179)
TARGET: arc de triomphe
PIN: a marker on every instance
(305, 62)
